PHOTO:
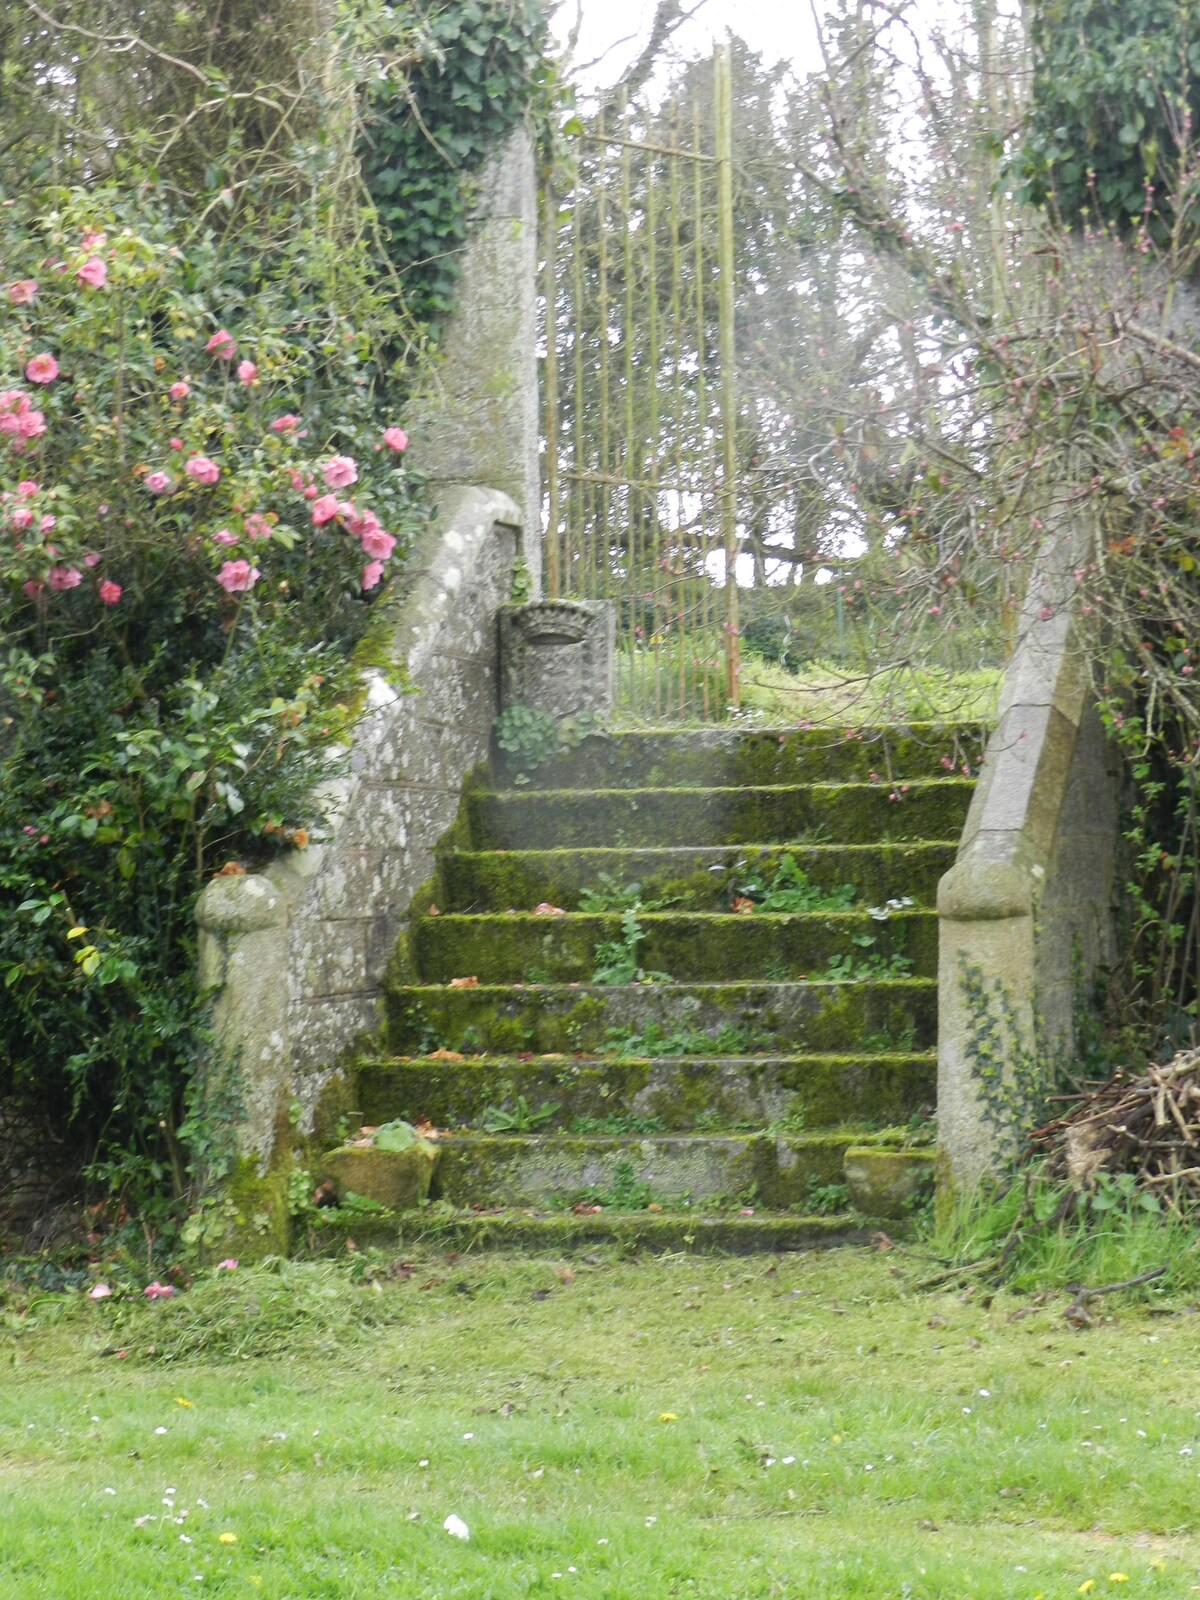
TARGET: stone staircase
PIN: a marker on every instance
(786, 1069)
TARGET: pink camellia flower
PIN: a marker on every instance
(176, 443)
(110, 592)
(42, 369)
(371, 574)
(311, 492)
(395, 438)
(203, 470)
(325, 509)
(159, 1291)
(21, 517)
(48, 523)
(64, 577)
(235, 577)
(92, 241)
(10, 423)
(91, 559)
(223, 536)
(222, 345)
(14, 400)
(257, 526)
(287, 423)
(228, 1265)
(34, 589)
(99, 1291)
(157, 482)
(179, 390)
(30, 424)
(26, 488)
(93, 271)
(297, 481)
(247, 372)
(378, 544)
(341, 472)
(23, 293)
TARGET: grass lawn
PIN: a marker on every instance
(682, 1426)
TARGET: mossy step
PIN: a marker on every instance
(739, 1018)
(515, 1170)
(653, 758)
(860, 812)
(560, 1233)
(702, 878)
(693, 947)
(680, 1093)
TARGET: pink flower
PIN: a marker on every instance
(157, 482)
(92, 241)
(34, 589)
(47, 524)
(93, 271)
(99, 1291)
(26, 488)
(30, 424)
(64, 577)
(179, 390)
(257, 526)
(287, 423)
(176, 443)
(23, 293)
(91, 559)
(395, 438)
(341, 472)
(223, 536)
(21, 517)
(297, 481)
(235, 577)
(14, 400)
(42, 369)
(378, 544)
(203, 470)
(247, 372)
(110, 592)
(371, 574)
(222, 345)
(228, 1265)
(325, 509)
(159, 1291)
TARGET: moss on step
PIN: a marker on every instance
(681, 1094)
(887, 1183)
(851, 811)
(723, 756)
(395, 1179)
(694, 947)
(687, 879)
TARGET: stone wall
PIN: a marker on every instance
(1026, 912)
(294, 956)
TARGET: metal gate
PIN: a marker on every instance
(640, 401)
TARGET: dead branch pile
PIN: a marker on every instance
(1148, 1126)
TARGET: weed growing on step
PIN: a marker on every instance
(825, 1199)
(530, 737)
(655, 1042)
(617, 959)
(616, 1125)
(609, 894)
(628, 1192)
(850, 966)
(791, 890)
(518, 1117)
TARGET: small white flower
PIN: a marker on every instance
(109, 1491)
(424, 1461)
(468, 1435)
(456, 1527)
(987, 1395)
(160, 1430)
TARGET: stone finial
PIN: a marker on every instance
(559, 656)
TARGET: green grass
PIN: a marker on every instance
(823, 693)
(716, 1428)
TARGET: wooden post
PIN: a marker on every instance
(728, 354)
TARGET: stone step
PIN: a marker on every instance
(691, 947)
(778, 1171)
(671, 758)
(559, 1233)
(732, 1092)
(514, 819)
(739, 1018)
(703, 878)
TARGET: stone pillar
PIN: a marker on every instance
(559, 656)
(475, 421)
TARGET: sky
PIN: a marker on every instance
(779, 29)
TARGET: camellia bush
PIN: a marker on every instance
(202, 492)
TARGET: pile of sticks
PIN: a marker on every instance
(1148, 1126)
